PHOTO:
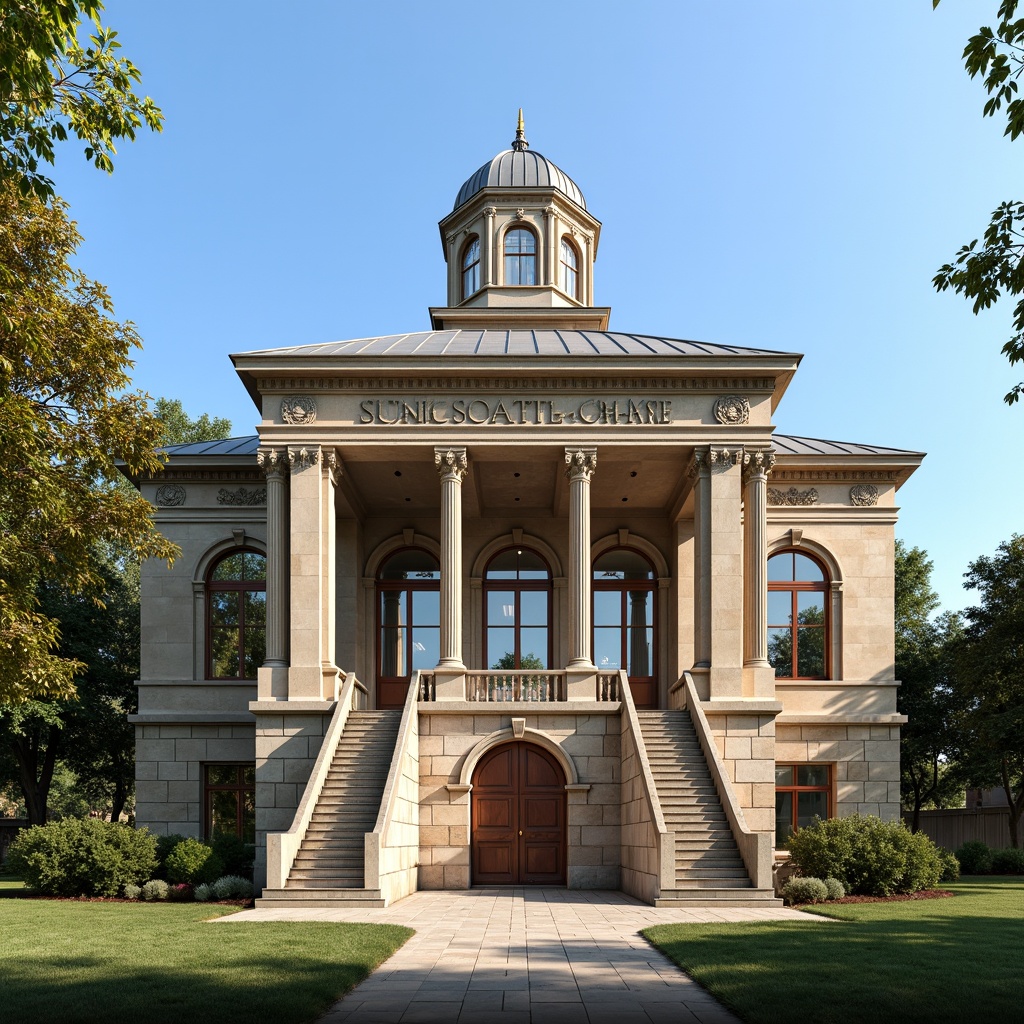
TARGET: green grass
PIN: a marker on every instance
(69, 963)
(947, 960)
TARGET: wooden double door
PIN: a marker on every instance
(518, 817)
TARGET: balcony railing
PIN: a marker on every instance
(541, 686)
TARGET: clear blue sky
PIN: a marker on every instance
(782, 175)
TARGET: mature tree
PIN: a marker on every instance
(985, 272)
(54, 84)
(177, 427)
(988, 678)
(65, 421)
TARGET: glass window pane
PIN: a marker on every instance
(528, 270)
(807, 569)
(392, 651)
(411, 563)
(511, 270)
(608, 648)
(608, 608)
(501, 648)
(224, 654)
(780, 652)
(221, 774)
(248, 817)
(812, 775)
(533, 648)
(810, 651)
(638, 652)
(780, 567)
(393, 607)
(223, 812)
(783, 818)
(249, 774)
(501, 607)
(254, 566)
(255, 605)
(784, 775)
(641, 607)
(780, 607)
(472, 253)
(224, 607)
(426, 646)
(229, 568)
(533, 607)
(426, 607)
(625, 564)
(809, 806)
(255, 651)
(518, 563)
(810, 608)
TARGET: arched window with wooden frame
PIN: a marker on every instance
(625, 589)
(236, 615)
(471, 268)
(570, 263)
(798, 616)
(408, 621)
(520, 249)
(517, 610)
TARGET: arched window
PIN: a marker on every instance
(798, 625)
(624, 617)
(520, 256)
(471, 268)
(517, 606)
(408, 622)
(570, 268)
(236, 615)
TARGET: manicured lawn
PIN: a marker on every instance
(947, 960)
(64, 962)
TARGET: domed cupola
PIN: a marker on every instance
(520, 246)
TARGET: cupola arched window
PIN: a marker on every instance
(236, 615)
(798, 620)
(517, 603)
(520, 256)
(471, 268)
(570, 268)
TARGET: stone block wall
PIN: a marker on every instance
(747, 746)
(398, 855)
(640, 842)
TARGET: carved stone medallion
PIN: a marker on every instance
(792, 496)
(170, 494)
(243, 496)
(298, 409)
(732, 409)
(864, 494)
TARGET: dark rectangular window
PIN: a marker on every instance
(803, 792)
(229, 799)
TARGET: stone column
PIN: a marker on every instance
(757, 672)
(273, 683)
(718, 571)
(487, 247)
(581, 464)
(550, 245)
(452, 466)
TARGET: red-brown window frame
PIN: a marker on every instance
(624, 587)
(239, 787)
(822, 586)
(464, 268)
(219, 586)
(382, 585)
(827, 788)
(520, 256)
(516, 586)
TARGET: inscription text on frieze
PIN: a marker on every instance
(514, 412)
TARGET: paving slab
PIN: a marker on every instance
(526, 956)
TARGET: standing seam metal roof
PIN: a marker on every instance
(521, 168)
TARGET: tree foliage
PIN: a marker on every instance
(177, 427)
(65, 422)
(55, 84)
(985, 272)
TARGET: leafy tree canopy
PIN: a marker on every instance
(55, 84)
(65, 421)
(985, 272)
(177, 427)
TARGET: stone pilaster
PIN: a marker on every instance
(758, 674)
(550, 246)
(452, 466)
(488, 256)
(581, 464)
(273, 675)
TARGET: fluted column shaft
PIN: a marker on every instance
(274, 463)
(487, 248)
(452, 466)
(581, 464)
(755, 558)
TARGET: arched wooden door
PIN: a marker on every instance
(518, 817)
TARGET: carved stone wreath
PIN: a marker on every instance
(732, 409)
(792, 496)
(864, 494)
(243, 496)
(298, 409)
(170, 494)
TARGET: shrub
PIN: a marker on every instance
(180, 893)
(82, 857)
(203, 893)
(164, 846)
(132, 891)
(975, 857)
(236, 856)
(950, 866)
(834, 889)
(155, 889)
(1008, 862)
(869, 856)
(192, 861)
(804, 890)
(232, 887)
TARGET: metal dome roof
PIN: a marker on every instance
(518, 167)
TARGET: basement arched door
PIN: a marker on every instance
(518, 817)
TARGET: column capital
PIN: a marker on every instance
(757, 463)
(581, 463)
(710, 457)
(273, 462)
(451, 463)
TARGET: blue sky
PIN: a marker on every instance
(782, 175)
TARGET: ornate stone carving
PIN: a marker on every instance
(580, 462)
(298, 409)
(170, 495)
(730, 409)
(243, 496)
(550, 211)
(302, 458)
(758, 463)
(864, 494)
(520, 214)
(451, 462)
(272, 460)
(792, 496)
(451, 238)
(490, 211)
(715, 458)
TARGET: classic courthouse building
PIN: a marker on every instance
(519, 599)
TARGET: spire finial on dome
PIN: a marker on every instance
(520, 141)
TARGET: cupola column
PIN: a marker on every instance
(581, 464)
(550, 244)
(758, 674)
(487, 245)
(452, 466)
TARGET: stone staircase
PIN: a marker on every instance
(329, 868)
(709, 868)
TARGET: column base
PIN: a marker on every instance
(759, 681)
(581, 682)
(272, 682)
(314, 683)
(450, 682)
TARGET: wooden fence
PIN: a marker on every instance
(950, 828)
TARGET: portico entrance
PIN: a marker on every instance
(518, 817)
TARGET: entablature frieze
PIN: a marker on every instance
(188, 475)
(885, 476)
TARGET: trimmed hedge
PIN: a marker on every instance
(192, 861)
(82, 857)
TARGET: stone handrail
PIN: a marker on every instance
(608, 686)
(755, 847)
(283, 846)
(528, 685)
(375, 843)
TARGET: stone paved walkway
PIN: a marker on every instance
(513, 956)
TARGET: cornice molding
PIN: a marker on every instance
(543, 382)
